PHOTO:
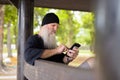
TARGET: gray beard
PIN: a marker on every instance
(48, 39)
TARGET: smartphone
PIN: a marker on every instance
(75, 45)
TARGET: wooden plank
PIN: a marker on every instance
(4, 2)
(46, 70)
(81, 5)
(14, 2)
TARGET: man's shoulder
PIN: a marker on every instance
(34, 37)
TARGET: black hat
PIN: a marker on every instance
(50, 18)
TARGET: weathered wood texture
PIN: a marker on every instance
(46, 70)
(82, 5)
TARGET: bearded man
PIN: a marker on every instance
(43, 45)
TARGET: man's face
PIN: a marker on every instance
(52, 27)
(48, 33)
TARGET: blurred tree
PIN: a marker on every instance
(10, 21)
(68, 27)
(88, 25)
(1, 35)
(76, 26)
(86, 31)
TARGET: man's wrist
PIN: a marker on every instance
(67, 59)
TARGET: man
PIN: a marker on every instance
(43, 45)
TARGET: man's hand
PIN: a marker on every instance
(71, 55)
(50, 52)
(62, 48)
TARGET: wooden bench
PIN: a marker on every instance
(46, 70)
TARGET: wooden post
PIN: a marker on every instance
(108, 38)
(25, 12)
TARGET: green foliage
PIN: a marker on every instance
(76, 26)
(86, 33)
(10, 18)
(68, 27)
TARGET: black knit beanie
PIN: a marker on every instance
(50, 18)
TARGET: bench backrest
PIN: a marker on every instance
(46, 70)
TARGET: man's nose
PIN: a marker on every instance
(55, 28)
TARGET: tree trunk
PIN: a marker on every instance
(1, 35)
(9, 41)
(16, 38)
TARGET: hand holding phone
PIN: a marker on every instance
(70, 57)
(75, 45)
